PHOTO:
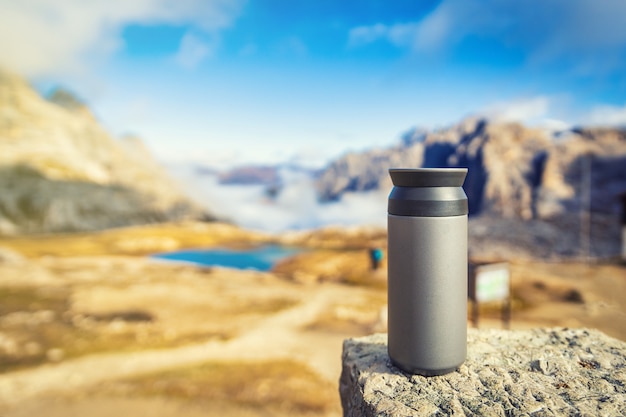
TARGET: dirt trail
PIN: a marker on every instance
(278, 336)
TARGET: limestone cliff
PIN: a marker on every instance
(531, 193)
(61, 171)
(514, 171)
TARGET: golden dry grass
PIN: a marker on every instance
(356, 317)
(41, 326)
(276, 386)
(145, 307)
(350, 267)
(139, 240)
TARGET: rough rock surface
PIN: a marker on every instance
(541, 372)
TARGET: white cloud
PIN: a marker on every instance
(521, 110)
(533, 111)
(192, 51)
(589, 33)
(433, 30)
(52, 38)
(400, 34)
(557, 26)
(555, 124)
(363, 35)
(296, 207)
(552, 113)
(607, 116)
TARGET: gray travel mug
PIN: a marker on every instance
(427, 270)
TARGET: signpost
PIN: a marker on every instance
(622, 197)
(490, 283)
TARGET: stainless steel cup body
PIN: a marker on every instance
(427, 270)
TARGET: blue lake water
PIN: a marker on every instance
(261, 258)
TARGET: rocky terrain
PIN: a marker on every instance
(548, 372)
(556, 184)
(61, 171)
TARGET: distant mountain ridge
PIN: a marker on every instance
(514, 171)
(60, 171)
(516, 174)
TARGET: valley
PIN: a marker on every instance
(91, 326)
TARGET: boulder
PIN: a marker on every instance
(540, 372)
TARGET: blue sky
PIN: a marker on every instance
(273, 80)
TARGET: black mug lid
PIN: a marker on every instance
(428, 177)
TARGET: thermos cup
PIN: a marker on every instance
(427, 270)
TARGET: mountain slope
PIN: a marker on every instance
(60, 171)
(514, 171)
(566, 185)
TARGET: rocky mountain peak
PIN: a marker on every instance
(515, 173)
(69, 101)
(61, 171)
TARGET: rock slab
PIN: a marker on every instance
(540, 372)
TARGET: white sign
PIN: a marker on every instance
(492, 282)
